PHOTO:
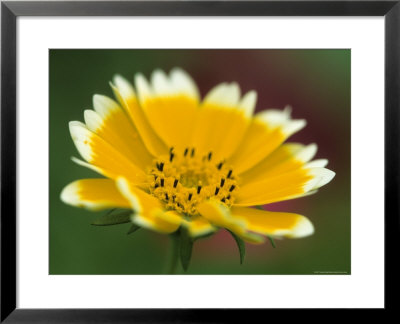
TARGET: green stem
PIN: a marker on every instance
(173, 254)
(271, 240)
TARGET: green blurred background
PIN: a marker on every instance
(316, 83)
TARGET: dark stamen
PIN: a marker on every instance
(229, 174)
(219, 166)
(209, 156)
(160, 166)
(228, 197)
(171, 149)
(222, 182)
(155, 176)
(166, 196)
(162, 182)
(173, 198)
(232, 187)
(190, 196)
(223, 199)
(179, 205)
(216, 191)
(175, 183)
(192, 152)
(198, 189)
(171, 157)
(186, 152)
(156, 186)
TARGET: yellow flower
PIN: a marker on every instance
(176, 160)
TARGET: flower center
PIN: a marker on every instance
(184, 179)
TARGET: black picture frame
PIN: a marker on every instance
(11, 10)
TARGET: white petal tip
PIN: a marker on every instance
(112, 85)
(294, 126)
(117, 79)
(123, 86)
(321, 176)
(142, 87)
(77, 130)
(224, 94)
(288, 110)
(97, 98)
(69, 194)
(248, 102)
(307, 153)
(161, 83)
(320, 163)
(104, 105)
(75, 123)
(303, 228)
(182, 83)
(92, 120)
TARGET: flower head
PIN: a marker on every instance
(178, 161)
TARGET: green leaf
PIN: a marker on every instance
(174, 253)
(241, 246)
(133, 229)
(271, 240)
(186, 246)
(114, 217)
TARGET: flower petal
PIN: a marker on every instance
(219, 215)
(87, 165)
(266, 132)
(286, 158)
(170, 104)
(274, 223)
(286, 186)
(223, 95)
(126, 95)
(320, 163)
(198, 226)
(94, 194)
(148, 211)
(111, 123)
(248, 103)
(103, 155)
(222, 120)
(158, 220)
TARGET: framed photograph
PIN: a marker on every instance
(162, 160)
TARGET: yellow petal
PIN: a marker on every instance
(222, 121)
(102, 155)
(290, 185)
(126, 95)
(94, 194)
(198, 226)
(267, 130)
(158, 220)
(286, 158)
(112, 124)
(274, 223)
(148, 210)
(219, 215)
(170, 104)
